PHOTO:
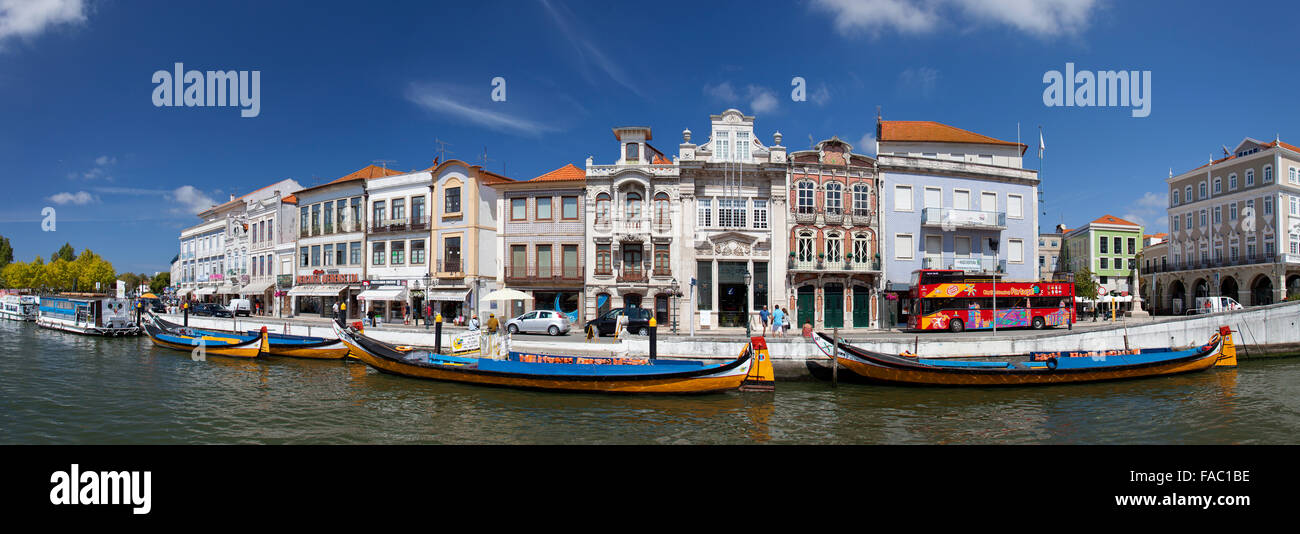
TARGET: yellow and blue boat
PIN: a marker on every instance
(750, 371)
(1030, 369)
(211, 344)
(317, 348)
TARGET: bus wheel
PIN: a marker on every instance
(956, 326)
(1038, 323)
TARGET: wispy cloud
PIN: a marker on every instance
(80, 198)
(821, 96)
(1039, 18)
(586, 51)
(867, 144)
(454, 101)
(918, 81)
(188, 200)
(759, 99)
(26, 19)
(1150, 211)
(99, 172)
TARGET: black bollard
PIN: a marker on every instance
(437, 333)
(343, 312)
(186, 310)
(654, 342)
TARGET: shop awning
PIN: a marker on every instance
(257, 287)
(453, 295)
(205, 291)
(181, 294)
(316, 291)
(228, 290)
(384, 293)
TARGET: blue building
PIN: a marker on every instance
(953, 199)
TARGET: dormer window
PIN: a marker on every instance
(631, 152)
(722, 146)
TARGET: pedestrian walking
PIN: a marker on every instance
(778, 321)
(763, 316)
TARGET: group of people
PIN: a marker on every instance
(779, 318)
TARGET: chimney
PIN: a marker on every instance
(232, 197)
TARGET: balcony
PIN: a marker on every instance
(953, 218)
(399, 225)
(532, 275)
(827, 265)
(450, 268)
(833, 215)
(663, 226)
(861, 217)
(633, 276)
(805, 215)
(968, 264)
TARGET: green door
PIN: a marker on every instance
(861, 307)
(833, 306)
(806, 314)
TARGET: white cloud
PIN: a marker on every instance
(1040, 18)
(759, 99)
(1150, 211)
(867, 144)
(453, 101)
(821, 96)
(920, 80)
(29, 18)
(189, 200)
(80, 198)
(104, 161)
(98, 172)
(587, 52)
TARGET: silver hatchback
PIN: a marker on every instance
(540, 322)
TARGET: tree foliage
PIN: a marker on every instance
(1084, 285)
(64, 272)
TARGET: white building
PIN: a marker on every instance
(397, 235)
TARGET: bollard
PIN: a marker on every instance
(437, 333)
(186, 311)
(343, 312)
(654, 342)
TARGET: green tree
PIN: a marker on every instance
(1084, 285)
(65, 252)
(6, 252)
(159, 282)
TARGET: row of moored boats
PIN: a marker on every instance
(751, 370)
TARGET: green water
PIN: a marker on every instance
(59, 388)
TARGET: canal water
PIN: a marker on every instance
(59, 388)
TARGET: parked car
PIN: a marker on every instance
(241, 307)
(1214, 305)
(540, 321)
(638, 321)
(154, 305)
(207, 309)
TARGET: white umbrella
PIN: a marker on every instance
(507, 294)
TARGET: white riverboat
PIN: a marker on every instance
(89, 316)
(19, 307)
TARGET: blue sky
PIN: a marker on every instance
(342, 86)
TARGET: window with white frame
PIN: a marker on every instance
(1232, 211)
(1175, 198)
(1232, 182)
(1203, 218)
(1187, 194)
(1200, 192)
(704, 213)
(742, 146)
(834, 247)
(1268, 205)
(1292, 177)
(1250, 177)
(1015, 207)
(1218, 185)
(722, 146)
(933, 197)
(1218, 215)
(861, 200)
(804, 201)
(903, 199)
(861, 247)
(760, 214)
(1176, 224)
(804, 247)
(903, 246)
(1268, 174)
(834, 198)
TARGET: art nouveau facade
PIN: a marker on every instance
(834, 261)
(633, 229)
(1234, 229)
(733, 238)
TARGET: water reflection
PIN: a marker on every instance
(64, 388)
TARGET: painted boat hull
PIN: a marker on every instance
(698, 379)
(231, 347)
(905, 370)
(85, 330)
(280, 345)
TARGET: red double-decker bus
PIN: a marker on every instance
(956, 301)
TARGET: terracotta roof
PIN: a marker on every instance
(289, 200)
(1162, 235)
(236, 199)
(936, 132)
(492, 178)
(1111, 219)
(567, 173)
(368, 172)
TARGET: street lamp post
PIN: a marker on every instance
(675, 291)
(749, 279)
(425, 302)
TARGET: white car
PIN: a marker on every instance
(1214, 305)
(540, 322)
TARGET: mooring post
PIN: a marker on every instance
(186, 310)
(654, 339)
(343, 312)
(437, 333)
(835, 359)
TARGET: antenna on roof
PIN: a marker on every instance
(442, 149)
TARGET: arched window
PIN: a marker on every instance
(862, 247)
(804, 247)
(632, 206)
(662, 211)
(804, 192)
(834, 198)
(834, 247)
(602, 208)
(861, 200)
(1218, 185)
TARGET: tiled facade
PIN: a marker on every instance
(542, 241)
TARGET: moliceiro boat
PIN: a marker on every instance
(89, 316)
(1030, 369)
(185, 339)
(750, 371)
(316, 348)
(19, 307)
